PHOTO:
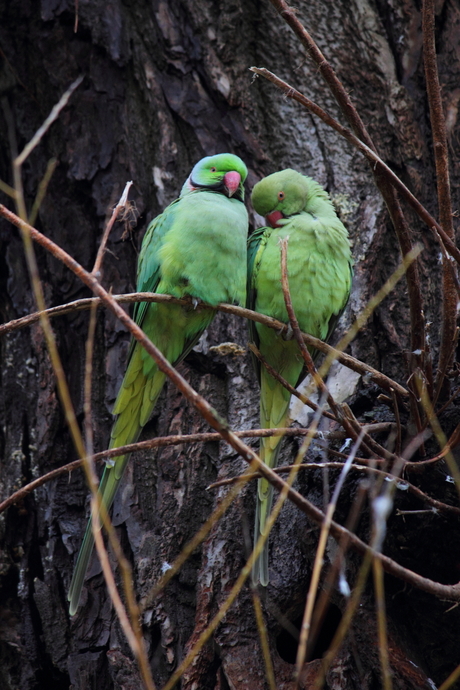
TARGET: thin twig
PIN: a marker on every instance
(6, 189)
(102, 247)
(382, 623)
(403, 485)
(331, 578)
(374, 159)
(420, 465)
(319, 559)
(440, 435)
(293, 391)
(269, 673)
(449, 682)
(29, 147)
(42, 187)
(441, 156)
(398, 438)
(159, 442)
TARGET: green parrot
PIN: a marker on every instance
(319, 272)
(196, 248)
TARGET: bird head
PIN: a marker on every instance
(224, 173)
(280, 195)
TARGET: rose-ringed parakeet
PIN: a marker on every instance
(319, 273)
(195, 248)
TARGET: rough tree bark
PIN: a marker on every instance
(166, 82)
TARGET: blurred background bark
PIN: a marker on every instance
(165, 83)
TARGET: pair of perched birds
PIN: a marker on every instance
(198, 247)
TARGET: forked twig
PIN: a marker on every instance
(102, 247)
(386, 189)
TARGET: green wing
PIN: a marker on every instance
(148, 266)
(149, 272)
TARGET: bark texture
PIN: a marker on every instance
(166, 82)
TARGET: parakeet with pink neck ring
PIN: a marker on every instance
(196, 248)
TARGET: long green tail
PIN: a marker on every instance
(274, 412)
(107, 488)
(263, 509)
(134, 405)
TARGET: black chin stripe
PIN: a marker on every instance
(217, 187)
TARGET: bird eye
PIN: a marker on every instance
(281, 196)
(213, 169)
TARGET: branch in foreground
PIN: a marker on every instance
(437, 506)
(451, 592)
(82, 304)
(158, 442)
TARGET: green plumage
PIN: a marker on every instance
(197, 248)
(319, 272)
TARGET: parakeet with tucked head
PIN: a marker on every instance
(319, 272)
(196, 248)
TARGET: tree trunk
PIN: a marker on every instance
(166, 83)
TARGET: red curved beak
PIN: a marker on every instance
(273, 218)
(232, 181)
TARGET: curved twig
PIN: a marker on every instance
(374, 159)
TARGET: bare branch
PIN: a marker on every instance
(101, 251)
(374, 159)
(441, 156)
(158, 442)
(347, 360)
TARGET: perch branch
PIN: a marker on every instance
(82, 304)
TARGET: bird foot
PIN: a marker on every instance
(288, 334)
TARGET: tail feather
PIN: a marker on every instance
(133, 413)
(274, 412)
(263, 509)
(107, 488)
